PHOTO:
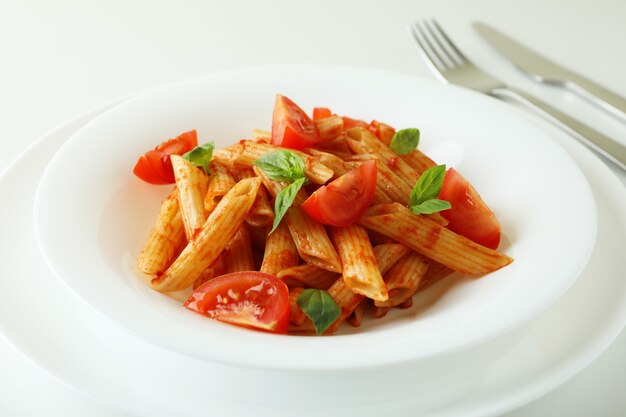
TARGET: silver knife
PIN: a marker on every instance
(544, 70)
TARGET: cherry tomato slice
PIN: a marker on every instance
(291, 126)
(253, 300)
(180, 144)
(144, 169)
(343, 201)
(155, 167)
(321, 113)
(469, 215)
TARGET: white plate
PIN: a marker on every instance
(73, 343)
(92, 215)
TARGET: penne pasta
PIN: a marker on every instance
(401, 189)
(433, 240)
(360, 268)
(237, 256)
(346, 299)
(329, 128)
(384, 132)
(357, 314)
(388, 254)
(330, 160)
(363, 141)
(222, 226)
(281, 252)
(258, 236)
(261, 213)
(228, 156)
(308, 276)
(166, 238)
(418, 161)
(204, 248)
(397, 189)
(403, 279)
(260, 134)
(312, 241)
(211, 272)
(305, 328)
(437, 218)
(407, 304)
(296, 315)
(338, 147)
(389, 183)
(220, 182)
(192, 184)
(340, 167)
(310, 237)
(246, 152)
(385, 193)
(435, 272)
(379, 312)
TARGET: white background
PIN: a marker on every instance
(60, 58)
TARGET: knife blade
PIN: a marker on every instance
(546, 71)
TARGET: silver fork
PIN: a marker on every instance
(449, 64)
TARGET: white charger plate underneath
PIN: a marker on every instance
(81, 348)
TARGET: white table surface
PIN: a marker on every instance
(60, 58)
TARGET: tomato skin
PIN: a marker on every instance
(469, 215)
(291, 126)
(321, 113)
(261, 301)
(343, 201)
(155, 166)
(144, 169)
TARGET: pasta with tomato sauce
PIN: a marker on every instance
(302, 228)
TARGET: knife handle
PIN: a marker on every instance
(598, 95)
(607, 147)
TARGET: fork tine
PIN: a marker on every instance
(441, 43)
(437, 63)
(451, 44)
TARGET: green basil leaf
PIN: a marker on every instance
(284, 200)
(281, 165)
(428, 185)
(405, 141)
(431, 206)
(201, 156)
(320, 307)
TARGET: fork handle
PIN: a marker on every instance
(605, 146)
